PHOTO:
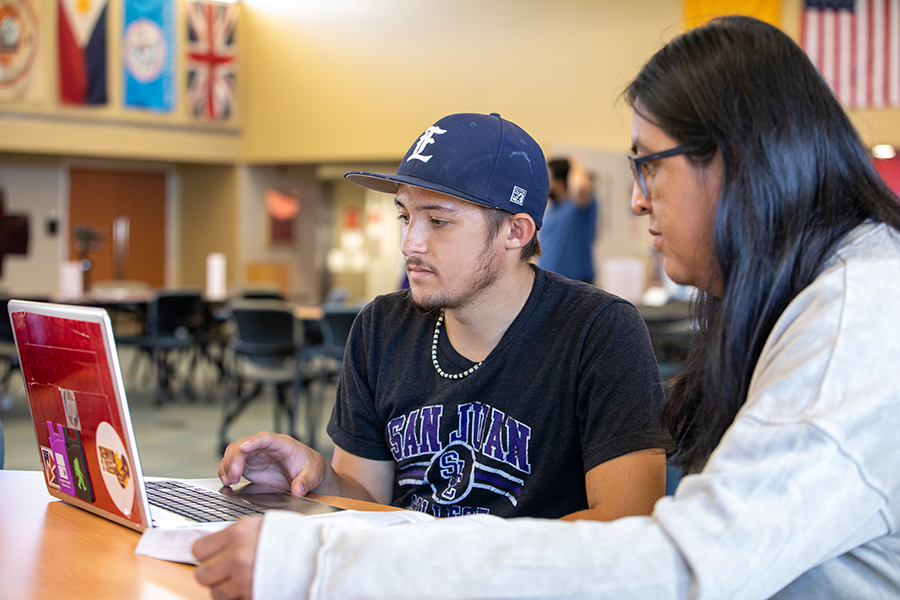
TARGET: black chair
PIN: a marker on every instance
(336, 323)
(672, 331)
(175, 322)
(213, 337)
(327, 358)
(264, 351)
(262, 294)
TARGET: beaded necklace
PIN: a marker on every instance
(434, 360)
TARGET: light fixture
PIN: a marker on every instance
(883, 151)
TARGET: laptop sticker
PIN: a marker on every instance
(49, 467)
(80, 476)
(115, 468)
(71, 409)
(60, 456)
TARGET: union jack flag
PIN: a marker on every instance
(211, 58)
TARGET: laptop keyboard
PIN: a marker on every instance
(196, 503)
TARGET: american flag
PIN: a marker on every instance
(855, 44)
(211, 58)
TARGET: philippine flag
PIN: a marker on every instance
(82, 51)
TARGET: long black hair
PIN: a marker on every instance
(796, 180)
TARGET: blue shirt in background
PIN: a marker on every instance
(567, 236)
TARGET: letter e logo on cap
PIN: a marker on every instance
(427, 138)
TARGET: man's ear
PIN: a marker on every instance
(521, 230)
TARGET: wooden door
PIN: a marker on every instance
(97, 199)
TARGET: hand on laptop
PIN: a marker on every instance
(281, 462)
(226, 559)
(276, 460)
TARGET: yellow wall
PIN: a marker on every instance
(355, 80)
(358, 80)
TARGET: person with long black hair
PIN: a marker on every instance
(796, 181)
(759, 192)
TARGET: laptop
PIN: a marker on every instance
(85, 435)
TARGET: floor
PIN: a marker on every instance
(178, 439)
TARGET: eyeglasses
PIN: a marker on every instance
(637, 161)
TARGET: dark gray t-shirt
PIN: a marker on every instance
(573, 383)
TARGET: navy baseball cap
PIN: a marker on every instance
(483, 159)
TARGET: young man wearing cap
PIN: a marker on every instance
(490, 386)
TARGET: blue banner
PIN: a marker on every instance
(148, 54)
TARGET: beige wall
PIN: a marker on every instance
(304, 257)
(35, 188)
(39, 187)
(207, 221)
(346, 197)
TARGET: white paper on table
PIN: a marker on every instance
(174, 545)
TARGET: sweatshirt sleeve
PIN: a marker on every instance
(724, 535)
(465, 557)
(291, 547)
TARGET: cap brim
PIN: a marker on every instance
(382, 182)
(373, 181)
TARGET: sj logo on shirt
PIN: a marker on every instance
(487, 450)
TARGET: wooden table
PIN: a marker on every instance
(308, 313)
(49, 549)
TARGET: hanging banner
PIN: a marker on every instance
(148, 44)
(19, 51)
(211, 58)
(697, 12)
(82, 51)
